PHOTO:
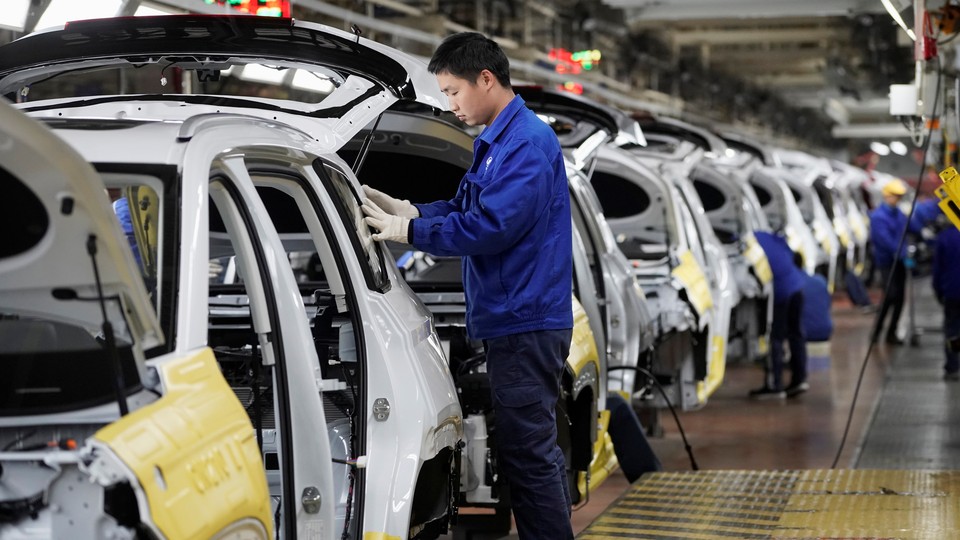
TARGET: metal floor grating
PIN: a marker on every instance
(904, 505)
(917, 421)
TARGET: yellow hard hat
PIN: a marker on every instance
(894, 187)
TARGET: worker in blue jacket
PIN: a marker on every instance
(887, 224)
(788, 283)
(946, 285)
(510, 220)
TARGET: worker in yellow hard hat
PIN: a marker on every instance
(887, 224)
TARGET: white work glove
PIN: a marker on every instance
(390, 205)
(214, 269)
(392, 228)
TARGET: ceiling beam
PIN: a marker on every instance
(727, 23)
(779, 59)
(870, 131)
(757, 35)
(678, 10)
(787, 80)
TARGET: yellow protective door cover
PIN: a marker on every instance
(194, 453)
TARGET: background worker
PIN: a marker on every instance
(887, 224)
(510, 220)
(788, 283)
(946, 285)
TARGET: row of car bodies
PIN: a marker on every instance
(367, 405)
(270, 347)
(293, 381)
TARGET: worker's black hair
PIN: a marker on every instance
(466, 54)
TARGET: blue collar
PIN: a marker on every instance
(502, 120)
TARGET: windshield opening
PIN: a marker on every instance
(145, 203)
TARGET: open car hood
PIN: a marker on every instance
(365, 77)
(55, 207)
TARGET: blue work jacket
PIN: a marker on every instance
(886, 226)
(946, 264)
(510, 220)
(788, 278)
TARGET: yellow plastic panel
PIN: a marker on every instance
(715, 369)
(583, 346)
(758, 259)
(379, 536)
(194, 453)
(793, 240)
(859, 231)
(689, 273)
(604, 457)
(145, 219)
(841, 232)
(823, 238)
(949, 195)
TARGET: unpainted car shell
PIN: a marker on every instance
(735, 212)
(188, 133)
(107, 467)
(678, 167)
(777, 199)
(631, 332)
(801, 171)
(750, 317)
(849, 182)
(425, 415)
(671, 276)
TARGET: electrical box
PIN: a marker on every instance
(903, 100)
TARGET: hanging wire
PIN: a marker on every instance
(886, 289)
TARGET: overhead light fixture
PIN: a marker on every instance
(896, 17)
(879, 148)
(898, 148)
(14, 15)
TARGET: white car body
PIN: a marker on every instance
(851, 181)
(401, 429)
(679, 168)
(735, 213)
(668, 263)
(801, 170)
(777, 200)
(748, 295)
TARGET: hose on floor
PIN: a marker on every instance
(683, 435)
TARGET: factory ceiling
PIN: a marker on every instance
(813, 71)
(833, 59)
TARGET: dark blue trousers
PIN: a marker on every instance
(951, 330)
(894, 306)
(787, 325)
(525, 372)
